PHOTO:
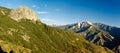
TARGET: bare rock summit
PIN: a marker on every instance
(23, 13)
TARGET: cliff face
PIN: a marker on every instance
(23, 13)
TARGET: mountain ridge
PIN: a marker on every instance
(97, 33)
(38, 37)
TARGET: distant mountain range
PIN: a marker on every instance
(22, 32)
(97, 33)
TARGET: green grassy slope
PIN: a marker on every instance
(40, 38)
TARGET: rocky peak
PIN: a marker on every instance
(85, 24)
(23, 13)
(88, 22)
(78, 25)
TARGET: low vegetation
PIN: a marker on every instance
(40, 38)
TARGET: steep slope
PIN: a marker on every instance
(117, 49)
(90, 32)
(100, 34)
(36, 37)
(114, 31)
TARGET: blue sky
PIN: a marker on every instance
(71, 11)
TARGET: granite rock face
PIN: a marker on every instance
(23, 13)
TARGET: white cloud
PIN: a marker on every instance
(35, 6)
(48, 20)
(42, 12)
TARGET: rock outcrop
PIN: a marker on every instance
(23, 13)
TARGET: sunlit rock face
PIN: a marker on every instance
(23, 13)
